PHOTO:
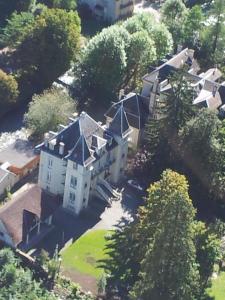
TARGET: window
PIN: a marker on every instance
(50, 162)
(123, 155)
(75, 166)
(48, 176)
(72, 197)
(85, 186)
(73, 182)
(47, 187)
(108, 156)
(84, 200)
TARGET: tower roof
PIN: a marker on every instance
(119, 124)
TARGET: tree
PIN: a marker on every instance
(8, 90)
(178, 101)
(8, 7)
(63, 4)
(16, 29)
(47, 50)
(173, 15)
(48, 110)
(207, 251)
(168, 270)
(17, 282)
(158, 32)
(213, 41)
(103, 63)
(119, 55)
(193, 26)
(198, 136)
(140, 52)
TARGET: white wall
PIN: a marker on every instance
(57, 173)
(8, 181)
(81, 191)
(120, 153)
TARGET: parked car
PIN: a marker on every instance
(134, 184)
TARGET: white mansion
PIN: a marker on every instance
(83, 159)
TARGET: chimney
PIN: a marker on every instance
(61, 148)
(121, 94)
(52, 144)
(46, 138)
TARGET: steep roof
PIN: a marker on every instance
(134, 108)
(81, 153)
(16, 214)
(77, 138)
(119, 124)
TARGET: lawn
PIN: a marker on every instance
(217, 291)
(83, 254)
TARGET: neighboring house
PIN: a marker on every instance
(110, 10)
(27, 217)
(21, 157)
(7, 178)
(137, 114)
(156, 85)
(84, 159)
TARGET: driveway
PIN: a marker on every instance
(69, 228)
(122, 210)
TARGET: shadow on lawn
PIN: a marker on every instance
(68, 228)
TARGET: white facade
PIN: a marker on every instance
(7, 179)
(76, 180)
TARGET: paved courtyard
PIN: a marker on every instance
(69, 228)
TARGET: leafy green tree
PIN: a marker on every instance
(8, 90)
(64, 4)
(16, 29)
(213, 37)
(198, 135)
(173, 15)
(47, 50)
(193, 26)
(10, 6)
(17, 282)
(104, 62)
(207, 251)
(168, 269)
(157, 32)
(140, 52)
(48, 110)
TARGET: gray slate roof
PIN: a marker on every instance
(135, 109)
(119, 124)
(82, 139)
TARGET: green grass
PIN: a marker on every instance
(83, 254)
(217, 291)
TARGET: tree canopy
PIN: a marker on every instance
(117, 57)
(8, 91)
(47, 50)
(48, 110)
(16, 29)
